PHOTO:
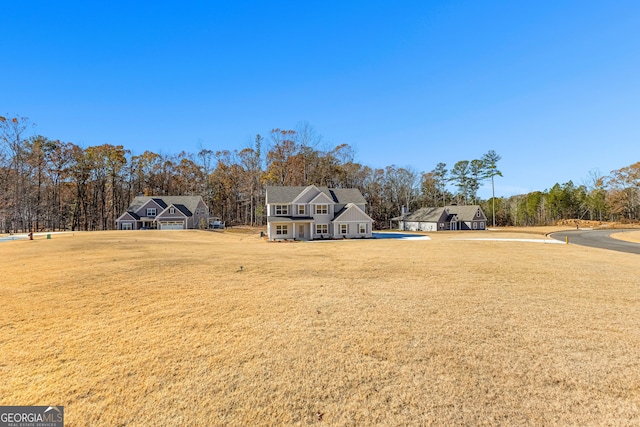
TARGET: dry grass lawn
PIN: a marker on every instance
(166, 328)
(629, 236)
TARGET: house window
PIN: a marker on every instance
(282, 230)
(322, 209)
(322, 229)
(478, 214)
(151, 212)
(282, 209)
(482, 225)
(126, 226)
(362, 228)
(442, 225)
(344, 228)
(475, 225)
(301, 210)
(172, 210)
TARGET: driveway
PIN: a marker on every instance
(399, 235)
(598, 239)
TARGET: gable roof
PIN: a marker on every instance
(160, 202)
(308, 189)
(178, 207)
(286, 195)
(355, 210)
(128, 216)
(321, 198)
(466, 213)
(428, 214)
(186, 204)
(182, 208)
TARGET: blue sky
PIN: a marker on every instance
(552, 86)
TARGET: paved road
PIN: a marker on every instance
(598, 239)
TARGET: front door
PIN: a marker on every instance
(301, 231)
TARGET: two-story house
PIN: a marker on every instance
(309, 213)
(164, 213)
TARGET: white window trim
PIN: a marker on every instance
(325, 205)
(282, 230)
(284, 209)
(325, 227)
(172, 210)
(154, 210)
(362, 226)
(302, 209)
(345, 230)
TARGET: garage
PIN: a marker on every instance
(171, 225)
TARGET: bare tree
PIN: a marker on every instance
(13, 145)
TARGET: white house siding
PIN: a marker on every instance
(322, 219)
(352, 217)
(271, 211)
(420, 226)
(272, 230)
(306, 225)
(353, 229)
(322, 199)
(322, 235)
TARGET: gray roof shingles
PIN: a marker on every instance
(428, 214)
(186, 204)
(287, 195)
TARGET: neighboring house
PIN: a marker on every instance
(164, 213)
(308, 213)
(447, 218)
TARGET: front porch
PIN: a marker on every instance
(290, 229)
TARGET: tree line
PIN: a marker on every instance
(47, 184)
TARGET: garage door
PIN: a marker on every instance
(172, 225)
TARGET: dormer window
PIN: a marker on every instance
(151, 212)
(301, 210)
